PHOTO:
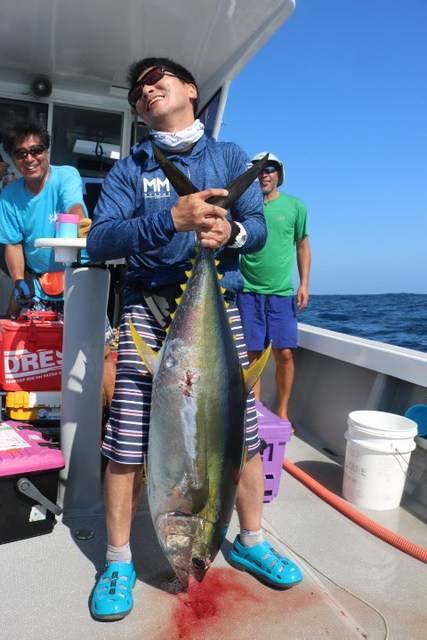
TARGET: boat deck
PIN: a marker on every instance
(47, 580)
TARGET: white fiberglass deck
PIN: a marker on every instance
(47, 580)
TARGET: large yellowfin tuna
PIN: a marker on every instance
(196, 438)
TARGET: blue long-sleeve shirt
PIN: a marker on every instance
(133, 216)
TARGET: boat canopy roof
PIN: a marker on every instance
(87, 46)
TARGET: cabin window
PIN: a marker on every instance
(12, 110)
(209, 112)
(87, 139)
(139, 130)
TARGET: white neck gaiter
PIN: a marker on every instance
(180, 140)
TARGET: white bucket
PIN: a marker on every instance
(378, 451)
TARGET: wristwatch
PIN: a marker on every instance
(238, 236)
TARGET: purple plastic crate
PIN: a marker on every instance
(276, 433)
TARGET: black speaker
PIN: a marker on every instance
(41, 87)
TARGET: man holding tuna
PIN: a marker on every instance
(140, 217)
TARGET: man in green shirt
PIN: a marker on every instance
(267, 303)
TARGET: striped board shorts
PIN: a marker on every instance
(126, 434)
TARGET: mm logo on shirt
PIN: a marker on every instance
(156, 188)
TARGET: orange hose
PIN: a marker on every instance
(414, 550)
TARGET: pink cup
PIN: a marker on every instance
(67, 225)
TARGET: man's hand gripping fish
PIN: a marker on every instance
(196, 438)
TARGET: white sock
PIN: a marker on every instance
(119, 554)
(251, 538)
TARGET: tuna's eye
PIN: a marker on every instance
(170, 362)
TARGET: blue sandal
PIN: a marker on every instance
(112, 597)
(266, 564)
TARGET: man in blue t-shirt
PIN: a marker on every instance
(28, 210)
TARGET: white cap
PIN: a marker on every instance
(275, 159)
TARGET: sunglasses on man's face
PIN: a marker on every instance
(35, 150)
(151, 78)
(270, 168)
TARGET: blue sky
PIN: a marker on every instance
(340, 95)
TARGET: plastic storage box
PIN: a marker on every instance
(29, 470)
(274, 434)
(31, 352)
(33, 405)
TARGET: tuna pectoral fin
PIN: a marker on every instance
(183, 186)
(191, 495)
(253, 372)
(148, 356)
(199, 498)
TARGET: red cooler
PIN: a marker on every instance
(31, 352)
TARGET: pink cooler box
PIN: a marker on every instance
(274, 433)
(29, 470)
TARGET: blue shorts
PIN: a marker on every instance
(268, 318)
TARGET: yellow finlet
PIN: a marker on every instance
(216, 262)
(244, 457)
(223, 290)
(148, 356)
(183, 286)
(178, 300)
(253, 372)
(188, 274)
(144, 471)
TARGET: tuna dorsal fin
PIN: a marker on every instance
(148, 356)
(253, 372)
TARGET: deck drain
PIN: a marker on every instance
(84, 534)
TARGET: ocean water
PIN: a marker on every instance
(396, 318)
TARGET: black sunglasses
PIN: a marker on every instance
(35, 150)
(270, 168)
(151, 78)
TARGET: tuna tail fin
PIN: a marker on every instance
(148, 356)
(239, 185)
(183, 186)
(253, 372)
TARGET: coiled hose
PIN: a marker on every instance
(405, 545)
